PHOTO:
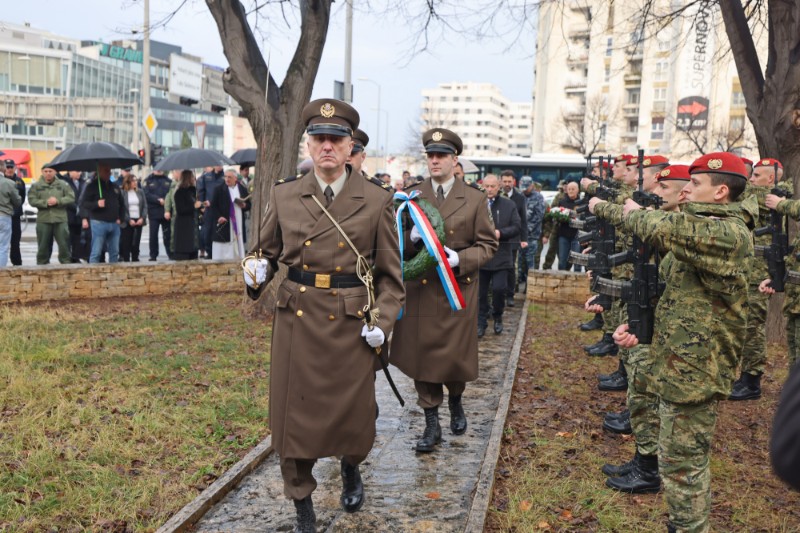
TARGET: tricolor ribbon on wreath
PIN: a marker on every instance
(432, 244)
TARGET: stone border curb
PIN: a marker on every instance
(194, 510)
(485, 484)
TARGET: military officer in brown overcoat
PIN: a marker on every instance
(322, 391)
(359, 153)
(431, 343)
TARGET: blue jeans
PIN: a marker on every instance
(104, 233)
(5, 239)
(564, 247)
(529, 255)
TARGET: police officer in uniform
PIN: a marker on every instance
(322, 386)
(359, 153)
(433, 344)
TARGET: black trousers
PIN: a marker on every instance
(512, 276)
(207, 234)
(497, 280)
(129, 239)
(164, 224)
(16, 235)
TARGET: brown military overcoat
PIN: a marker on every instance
(432, 342)
(322, 390)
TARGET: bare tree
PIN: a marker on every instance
(728, 138)
(583, 128)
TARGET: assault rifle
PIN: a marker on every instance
(638, 293)
(775, 253)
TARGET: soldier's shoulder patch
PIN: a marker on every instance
(476, 185)
(379, 183)
(288, 179)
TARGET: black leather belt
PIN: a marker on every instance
(324, 281)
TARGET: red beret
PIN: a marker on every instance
(719, 163)
(673, 172)
(654, 160)
(747, 161)
(605, 164)
(631, 160)
(622, 157)
(768, 162)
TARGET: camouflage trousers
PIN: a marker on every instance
(614, 317)
(684, 448)
(793, 337)
(754, 352)
(642, 405)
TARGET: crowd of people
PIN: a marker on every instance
(99, 217)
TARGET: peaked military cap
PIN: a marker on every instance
(360, 140)
(719, 163)
(673, 172)
(327, 116)
(442, 141)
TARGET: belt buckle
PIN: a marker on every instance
(322, 281)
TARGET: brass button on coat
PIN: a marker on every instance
(338, 269)
(308, 243)
(424, 281)
(360, 314)
(302, 289)
(299, 312)
(331, 317)
(305, 267)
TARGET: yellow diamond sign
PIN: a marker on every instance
(150, 123)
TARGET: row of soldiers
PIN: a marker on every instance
(683, 236)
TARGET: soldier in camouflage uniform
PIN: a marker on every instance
(700, 323)
(791, 298)
(640, 475)
(754, 352)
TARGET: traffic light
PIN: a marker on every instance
(156, 152)
(141, 153)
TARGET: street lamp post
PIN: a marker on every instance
(378, 129)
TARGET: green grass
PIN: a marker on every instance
(121, 412)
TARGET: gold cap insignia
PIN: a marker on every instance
(327, 110)
(714, 164)
(646, 162)
(765, 162)
(665, 173)
(437, 136)
(634, 159)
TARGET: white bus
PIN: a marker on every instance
(547, 169)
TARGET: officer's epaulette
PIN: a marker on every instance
(476, 185)
(288, 179)
(379, 183)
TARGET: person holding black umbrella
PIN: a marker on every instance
(10, 172)
(206, 186)
(102, 203)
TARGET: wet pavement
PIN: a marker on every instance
(405, 491)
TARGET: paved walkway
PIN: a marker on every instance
(405, 491)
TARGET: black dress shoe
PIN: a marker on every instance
(433, 431)
(615, 383)
(352, 488)
(596, 323)
(643, 478)
(481, 330)
(747, 387)
(510, 302)
(152, 259)
(618, 424)
(498, 326)
(306, 519)
(620, 470)
(458, 420)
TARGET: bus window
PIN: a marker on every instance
(547, 177)
(574, 175)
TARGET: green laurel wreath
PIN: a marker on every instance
(417, 266)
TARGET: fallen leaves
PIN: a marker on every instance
(525, 505)
(433, 495)
(565, 434)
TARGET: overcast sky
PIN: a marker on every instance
(380, 53)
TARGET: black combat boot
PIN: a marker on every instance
(620, 470)
(433, 431)
(498, 325)
(596, 323)
(618, 423)
(590, 347)
(510, 301)
(747, 387)
(642, 479)
(619, 371)
(458, 420)
(615, 381)
(607, 346)
(352, 488)
(306, 519)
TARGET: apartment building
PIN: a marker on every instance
(488, 123)
(606, 83)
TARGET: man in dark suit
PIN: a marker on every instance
(508, 182)
(784, 449)
(78, 250)
(495, 272)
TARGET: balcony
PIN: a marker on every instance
(576, 84)
(578, 58)
(575, 113)
(578, 32)
(633, 76)
(630, 110)
(630, 136)
(659, 106)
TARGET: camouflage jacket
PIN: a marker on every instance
(701, 318)
(791, 299)
(758, 267)
(534, 205)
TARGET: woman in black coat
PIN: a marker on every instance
(185, 240)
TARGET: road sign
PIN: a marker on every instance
(150, 123)
(200, 133)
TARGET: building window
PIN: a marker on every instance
(662, 71)
(657, 128)
(659, 94)
(737, 124)
(737, 99)
(633, 127)
(609, 46)
(608, 73)
(632, 96)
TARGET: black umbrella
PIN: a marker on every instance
(193, 158)
(86, 156)
(246, 157)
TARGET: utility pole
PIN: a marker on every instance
(146, 79)
(348, 53)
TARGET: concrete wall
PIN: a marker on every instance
(553, 286)
(63, 282)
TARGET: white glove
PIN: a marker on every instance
(259, 266)
(415, 236)
(452, 257)
(374, 337)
